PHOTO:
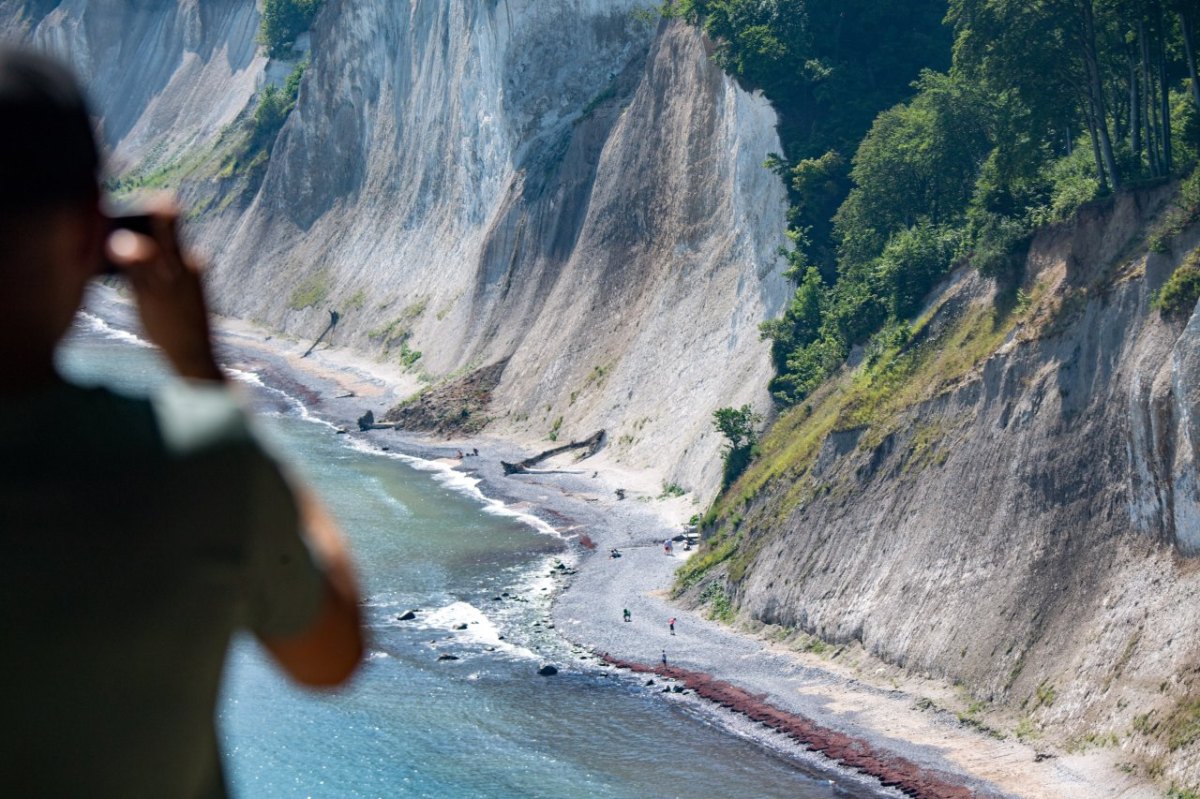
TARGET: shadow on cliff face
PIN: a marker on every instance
(540, 222)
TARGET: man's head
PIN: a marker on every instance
(51, 230)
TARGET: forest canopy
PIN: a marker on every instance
(921, 133)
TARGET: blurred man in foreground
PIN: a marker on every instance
(138, 534)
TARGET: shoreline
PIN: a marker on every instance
(876, 721)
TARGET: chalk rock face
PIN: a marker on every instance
(1029, 531)
(163, 77)
(570, 186)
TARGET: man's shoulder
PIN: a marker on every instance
(193, 416)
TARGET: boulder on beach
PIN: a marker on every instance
(547, 670)
(408, 615)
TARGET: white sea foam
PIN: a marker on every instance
(441, 472)
(97, 325)
(255, 381)
(539, 581)
(455, 480)
(479, 629)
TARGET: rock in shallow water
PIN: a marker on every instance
(547, 670)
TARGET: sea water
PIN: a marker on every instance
(411, 724)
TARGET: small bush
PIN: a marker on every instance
(739, 426)
(408, 356)
(671, 490)
(1178, 295)
(719, 604)
(1184, 212)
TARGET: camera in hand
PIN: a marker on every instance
(135, 223)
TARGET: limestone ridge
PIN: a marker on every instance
(1028, 528)
(570, 186)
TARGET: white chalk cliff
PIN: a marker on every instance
(572, 186)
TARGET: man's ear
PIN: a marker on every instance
(92, 237)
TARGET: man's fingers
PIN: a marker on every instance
(156, 256)
(127, 248)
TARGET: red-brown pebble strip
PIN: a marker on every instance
(892, 771)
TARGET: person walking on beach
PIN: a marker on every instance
(664, 657)
(627, 615)
(139, 534)
(671, 624)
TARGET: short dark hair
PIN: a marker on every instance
(48, 152)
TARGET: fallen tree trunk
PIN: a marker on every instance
(593, 444)
(334, 316)
(367, 422)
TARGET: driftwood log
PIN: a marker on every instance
(367, 422)
(593, 443)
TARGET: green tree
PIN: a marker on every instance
(738, 425)
(1039, 106)
(800, 324)
(284, 20)
(919, 163)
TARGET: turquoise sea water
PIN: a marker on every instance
(411, 725)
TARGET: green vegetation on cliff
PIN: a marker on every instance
(1012, 116)
(904, 366)
(283, 21)
(739, 426)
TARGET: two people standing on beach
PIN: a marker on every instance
(140, 533)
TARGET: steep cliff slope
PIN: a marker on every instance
(163, 77)
(1007, 501)
(571, 187)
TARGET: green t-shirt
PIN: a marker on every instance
(137, 536)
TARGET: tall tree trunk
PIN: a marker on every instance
(1148, 112)
(1165, 92)
(1189, 49)
(1096, 90)
(1135, 111)
(1090, 115)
